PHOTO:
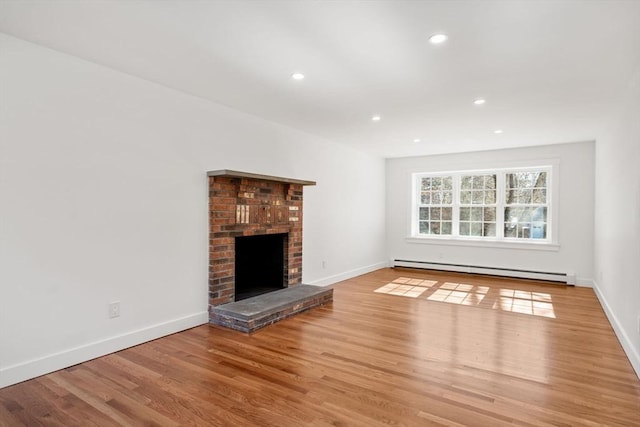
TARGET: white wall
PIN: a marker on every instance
(617, 214)
(103, 197)
(574, 253)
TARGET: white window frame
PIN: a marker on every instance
(548, 243)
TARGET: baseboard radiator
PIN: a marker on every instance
(567, 278)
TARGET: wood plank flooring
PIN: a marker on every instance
(428, 348)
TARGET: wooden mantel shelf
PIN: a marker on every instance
(238, 174)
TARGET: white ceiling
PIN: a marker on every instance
(551, 71)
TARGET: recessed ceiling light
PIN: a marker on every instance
(437, 38)
(479, 101)
(416, 140)
(297, 76)
(376, 118)
(497, 131)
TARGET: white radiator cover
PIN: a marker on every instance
(568, 278)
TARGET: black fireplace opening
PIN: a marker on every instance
(259, 264)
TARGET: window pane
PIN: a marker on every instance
(539, 195)
(476, 214)
(527, 213)
(511, 196)
(447, 198)
(447, 183)
(490, 214)
(476, 229)
(466, 182)
(424, 213)
(490, 182)
(435, 198)
(464, 228)
(510, 230)
(489, 229)
(425, 198)
(490, 197)
(539, 214)
(436, 183)
(478, 197)
(435, 214)
(426, 184)
(538, 230)
(524, 196)
(446, 228)
(446, 214)
(424, 227)
(478, 182)
(465, 214)
(435, 228)
(465, 197)
(512, 215)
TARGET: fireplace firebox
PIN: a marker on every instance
(260, 264)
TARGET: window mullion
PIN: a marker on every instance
(456, 207)
(500, 203)
(415, 220)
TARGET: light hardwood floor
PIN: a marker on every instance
(451, 350)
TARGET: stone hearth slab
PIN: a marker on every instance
(257, 312)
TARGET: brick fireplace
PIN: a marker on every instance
(244, 204)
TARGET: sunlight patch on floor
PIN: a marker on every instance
(534, 303)
(459, 293)
(515, 301)
(401, 290)
(414, 282)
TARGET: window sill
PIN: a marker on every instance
(528, 245)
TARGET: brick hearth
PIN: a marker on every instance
(245, 204)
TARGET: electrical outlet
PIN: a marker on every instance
(114, 309)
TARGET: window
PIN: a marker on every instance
(436, 205)
(497, 205)
(525, 210)
(478, 205)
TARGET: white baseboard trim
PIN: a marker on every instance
(625, 341)
(348, 274)
(34, 368)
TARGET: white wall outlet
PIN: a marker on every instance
(114, 309)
